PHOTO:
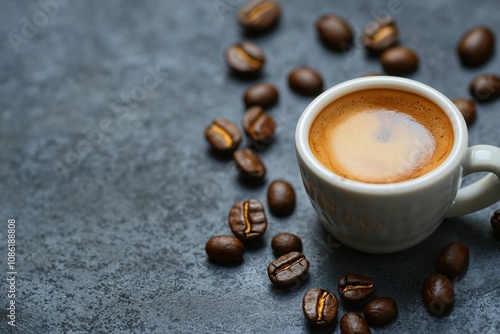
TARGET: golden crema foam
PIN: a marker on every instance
(381, 136)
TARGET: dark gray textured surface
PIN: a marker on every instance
(114, 242)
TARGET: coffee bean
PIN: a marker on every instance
(468, 109)
(399, 60)
(305, 81)
(380, 311)
(247, 220)
(283, 243)
(353, 323)
(453, 259)
(371, 74)
(258, 125)
(380, 35)
(224, 248)
(476, 46)
(223, 135)
(262, 94)
(485, 87)
(249, 164)
(259, 15)
(288, 268)
(355, 287)
(438, 294)
(334, 32)
(281, 198)
(495, 221)
(245, 57)
(320, 307)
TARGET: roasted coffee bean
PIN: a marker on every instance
(380, 35)
(259, 15)
(353, 323)
(320, 306)
(305, 81)
(288, 268)
(334, 32)
(284, 243)
(495, 221)
(247, 220)
(258, 125)
(453, 259)
(223, 135)
(476, 46)
(355, 287)
(371, 74)
(224, 248)
(380, 311)
(245, 57)
(438, 294)
(249, 164)
(468, 109)
(399, 60)
(485, 87)
(262, 94)
(281, 198)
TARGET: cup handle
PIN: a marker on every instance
(482, 193)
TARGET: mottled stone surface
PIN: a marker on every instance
(115, 192)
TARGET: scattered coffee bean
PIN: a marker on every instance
(245, 57)
(399, 60)
(262, 94)
(438, 294)
(247, 220)
(259, 15)
(305, 81)
(476, 46)
(485, 87)
(355, 287)
(320, 306)
(380, 35)
(353, 323)
(258, 125)
(453, 259)
(288, 268)
(223, 135)
(281, 198)
(380, 311)
(249, 164)
(371, 74)
(495, 221)
(284, 243)
(224, 248)
(334, 32)
(468, 109)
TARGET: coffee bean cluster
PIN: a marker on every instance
(248, 222)
(438, 291)
(474, 49)
(247, 219)
(321, 306)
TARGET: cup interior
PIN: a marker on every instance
(305, 153)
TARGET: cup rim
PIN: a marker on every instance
(457, 153)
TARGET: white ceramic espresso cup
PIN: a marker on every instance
(385, 218)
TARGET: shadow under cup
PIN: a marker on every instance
(387, 217)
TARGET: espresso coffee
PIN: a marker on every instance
(381, 136)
